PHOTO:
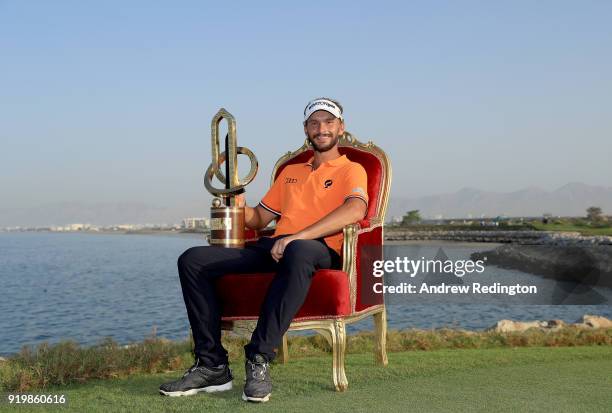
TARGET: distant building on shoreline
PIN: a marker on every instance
(196, 223)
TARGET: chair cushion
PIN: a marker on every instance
(241, 295)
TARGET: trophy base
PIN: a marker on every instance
(227, 226)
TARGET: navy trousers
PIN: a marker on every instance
(200, 267)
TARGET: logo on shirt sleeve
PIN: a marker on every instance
(328, 183)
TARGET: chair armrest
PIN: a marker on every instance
(354, 234)
(364, 223)
(362, 233)
(266, 232)
(252, 235)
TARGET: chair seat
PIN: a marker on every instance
(241, 295)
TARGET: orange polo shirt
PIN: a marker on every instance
(302, 196)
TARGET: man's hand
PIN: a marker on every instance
(254, 218)
(240, 200)
(279, 247)
(351, 211)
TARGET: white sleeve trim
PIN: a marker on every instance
(356, 196)
(269, 209)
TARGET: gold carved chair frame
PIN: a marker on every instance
(334, 329)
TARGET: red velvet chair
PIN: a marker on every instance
(335, 297)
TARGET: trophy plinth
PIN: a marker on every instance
(227, 226)
(227, 221)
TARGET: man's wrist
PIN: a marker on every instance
(297, 235)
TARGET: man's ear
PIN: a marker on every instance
(341, 127)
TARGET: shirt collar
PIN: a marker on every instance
(341, 160)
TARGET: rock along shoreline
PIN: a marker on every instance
(499, 236)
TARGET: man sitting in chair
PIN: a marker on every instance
(312, 202)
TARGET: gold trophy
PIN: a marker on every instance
(226, 218)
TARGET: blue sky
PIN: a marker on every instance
(112, 101)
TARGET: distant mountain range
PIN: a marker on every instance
(569, 200)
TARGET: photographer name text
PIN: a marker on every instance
(458, 268)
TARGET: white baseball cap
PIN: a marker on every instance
(322, 104)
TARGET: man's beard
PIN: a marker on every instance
(325, 147)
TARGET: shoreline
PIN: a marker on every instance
(394, 236)
(527, 237)
(579, 264)
(242, 330)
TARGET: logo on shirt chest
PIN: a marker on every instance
(290, 180)
(328, 183)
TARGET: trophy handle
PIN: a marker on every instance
(234, 185)
(240, 150)
(231, 147)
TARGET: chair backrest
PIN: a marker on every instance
(371, 157)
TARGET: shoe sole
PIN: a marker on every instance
(256, 399)
(208, 389)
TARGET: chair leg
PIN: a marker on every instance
(339, 347)
(335, 335)
(283, 351)
(380, 325)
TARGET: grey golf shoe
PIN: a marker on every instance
(258, 385)
(199, 378)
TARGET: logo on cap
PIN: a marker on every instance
(322, 104)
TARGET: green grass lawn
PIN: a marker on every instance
(560, 379)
